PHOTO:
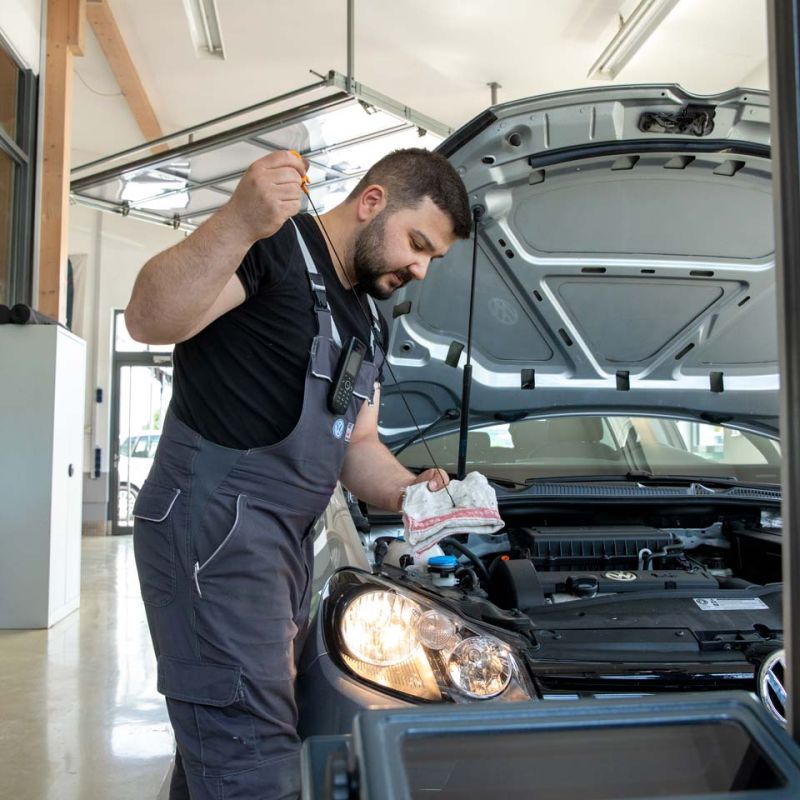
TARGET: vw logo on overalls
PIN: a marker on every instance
(338, 428)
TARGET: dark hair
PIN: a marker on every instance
(413, 174)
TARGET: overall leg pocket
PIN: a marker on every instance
(214, 730)
(250, 589)
(154, 516)
(219, 527)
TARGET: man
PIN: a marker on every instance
(263, 305)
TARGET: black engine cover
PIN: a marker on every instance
(616, 581)
(595, 549)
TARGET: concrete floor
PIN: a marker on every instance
(80, 718)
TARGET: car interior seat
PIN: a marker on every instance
(527, 436)
(480, 445)
(576, 437)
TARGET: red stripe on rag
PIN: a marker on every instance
(415, 525)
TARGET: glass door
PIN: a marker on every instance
(140, 393)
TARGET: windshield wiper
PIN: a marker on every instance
(723, 481)
(622, 477)
(450, 413)
(506, 483)
(652, 479)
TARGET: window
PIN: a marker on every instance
(142, 448)
(17, 164)
(124, 343)
(6, 204)
(604, 446)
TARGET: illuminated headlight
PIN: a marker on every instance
(404, 644)
(380, 628)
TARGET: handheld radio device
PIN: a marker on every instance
(344, 380)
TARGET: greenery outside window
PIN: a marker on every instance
(17, 168)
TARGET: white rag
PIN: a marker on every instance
(430, 516)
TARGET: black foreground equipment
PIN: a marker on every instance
(20, 314)
(692, 747)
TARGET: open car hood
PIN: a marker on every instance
(625, 264)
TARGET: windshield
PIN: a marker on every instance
(606, 446)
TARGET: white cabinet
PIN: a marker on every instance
(42, 386)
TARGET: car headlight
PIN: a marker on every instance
(480, 667)
(407, 645)
(380, 628)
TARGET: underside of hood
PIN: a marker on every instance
(625, 263)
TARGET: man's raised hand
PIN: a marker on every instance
(268, 194)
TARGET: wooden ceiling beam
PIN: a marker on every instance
(105, 29)
(76, 27)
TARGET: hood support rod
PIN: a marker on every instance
(477, 212)
(351, 51)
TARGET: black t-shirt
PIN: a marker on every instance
(239, 382)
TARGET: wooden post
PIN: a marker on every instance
(64, 42)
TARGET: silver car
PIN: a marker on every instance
(624, 406)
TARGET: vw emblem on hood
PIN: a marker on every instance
(619, 575)
(771, 688)
(503, 311)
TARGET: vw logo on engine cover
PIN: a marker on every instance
(619, 575)
(771, 688)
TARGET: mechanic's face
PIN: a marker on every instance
(397, 246)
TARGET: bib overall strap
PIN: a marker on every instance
(327, 326)
(375, 330)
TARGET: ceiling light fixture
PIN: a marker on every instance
(144, 189)
(204, 28)
(633, 33)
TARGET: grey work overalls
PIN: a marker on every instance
(224, 556)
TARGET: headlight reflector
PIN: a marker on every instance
(480, 667)
(412, 676)
(380, 628)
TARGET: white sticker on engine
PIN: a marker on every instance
(736, 604)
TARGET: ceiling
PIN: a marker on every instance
(437, 57)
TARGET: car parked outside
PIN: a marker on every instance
(136, 454)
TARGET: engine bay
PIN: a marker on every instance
(615, 599)
(542, 559)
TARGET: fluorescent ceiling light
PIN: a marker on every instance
(205, 28)
(633, 33)
(143, 189)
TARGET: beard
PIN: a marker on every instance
(369, 261)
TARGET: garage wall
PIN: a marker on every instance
(21, 27)
(107, 252)
(758, 78)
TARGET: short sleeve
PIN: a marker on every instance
(266, 263)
